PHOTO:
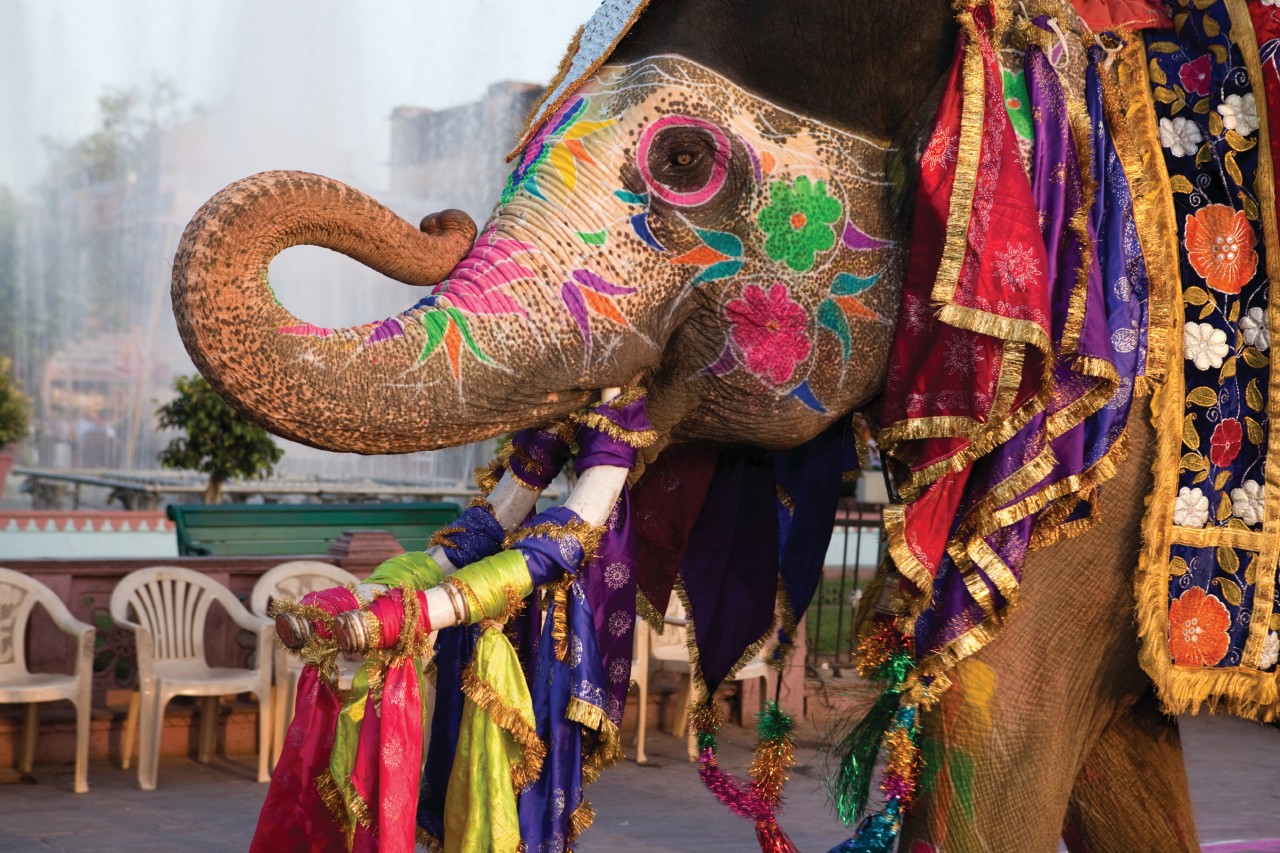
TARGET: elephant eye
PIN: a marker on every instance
(684, 160)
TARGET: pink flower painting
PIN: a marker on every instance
(770, 330)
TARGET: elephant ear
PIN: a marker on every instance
(590, 48)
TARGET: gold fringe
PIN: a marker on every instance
(1246, 692)
(629, 395)
(649, 613)
(632, 438)
(587, 535)
(440, 539)
(533, 750)
(427, 840)
(560, 619)
(488, 475)
(580, 821)
(698, 680)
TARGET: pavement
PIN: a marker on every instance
(1233, 765)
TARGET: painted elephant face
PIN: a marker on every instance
(661, 221)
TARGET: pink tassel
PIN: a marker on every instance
(771, 837)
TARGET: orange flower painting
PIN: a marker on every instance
(1220, 246)
(1198, 629)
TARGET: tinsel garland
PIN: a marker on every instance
(891, 726)
(760, 799)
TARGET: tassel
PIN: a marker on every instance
(772, 839)
(774, 755)
(877, 834)
(850, 786)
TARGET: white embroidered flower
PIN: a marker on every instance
(1246, 502)
(1180, 136)
(1191, 509)
(1253, 326)
(1204, 345)
(1239, 113)
(1271, 644)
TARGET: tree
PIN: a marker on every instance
(15, 408)
(218, 442)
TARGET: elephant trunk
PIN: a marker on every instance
(424, 379)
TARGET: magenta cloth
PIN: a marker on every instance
(293, 817)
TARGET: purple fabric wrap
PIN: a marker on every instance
(539, 456)
(730, 569)
(480, 536)
(1115, 311)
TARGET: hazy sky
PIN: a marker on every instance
(331, 70)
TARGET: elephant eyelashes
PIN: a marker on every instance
(683, 160)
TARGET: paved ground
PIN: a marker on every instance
(1234, 769)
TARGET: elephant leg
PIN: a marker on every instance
(1131, 793)
(1003, 747)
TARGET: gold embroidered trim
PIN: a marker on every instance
(580, 821)
(1126, 98)
(533, 750)
(632, 438)
(1245, 690)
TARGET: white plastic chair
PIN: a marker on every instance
(166, 607)
(292, 580)
(669, 651)
(19, 594)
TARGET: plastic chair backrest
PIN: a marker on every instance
(672, 635)
(19, 594)
(295, 579)
(172, 604)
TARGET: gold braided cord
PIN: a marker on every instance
(533, 750)
(632, 438)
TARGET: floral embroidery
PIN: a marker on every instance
(1198, 626)
(1239, 113)
(1220, 247)
(1204, 345)
(1225, 444)
(770, 330)
(1180, 136)
(1253, 326)
(1195, 76)
(1017, 266)
(1191, 508)
(1246, 502)
(1271, 645)
(798, 222)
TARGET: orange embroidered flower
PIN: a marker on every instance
(1220, 246)
(1198, 629)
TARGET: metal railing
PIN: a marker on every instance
(857, 546)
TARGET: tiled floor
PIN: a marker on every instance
(1234, 769)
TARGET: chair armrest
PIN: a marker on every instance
(249, 621)
(678, 621)
(67, 623)
(143, 643)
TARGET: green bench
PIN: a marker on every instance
(268, 530)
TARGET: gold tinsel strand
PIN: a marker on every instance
(771, 766)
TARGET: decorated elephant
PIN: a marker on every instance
(992, 230)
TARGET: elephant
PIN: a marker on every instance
(673, 219)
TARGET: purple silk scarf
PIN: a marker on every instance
(1101, 352)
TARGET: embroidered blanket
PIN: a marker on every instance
(1064, 259)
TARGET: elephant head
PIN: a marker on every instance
(681, 216)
